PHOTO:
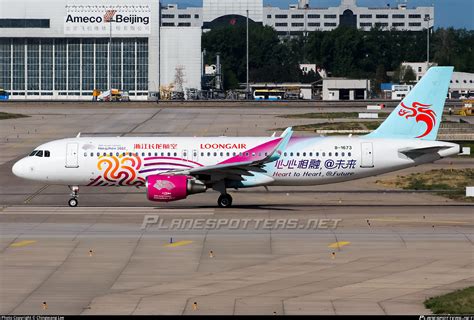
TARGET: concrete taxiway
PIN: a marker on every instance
(392, 249)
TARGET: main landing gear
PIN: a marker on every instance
(74, 194)
(225, 200)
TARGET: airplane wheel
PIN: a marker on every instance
(224, 201)
(73, 202)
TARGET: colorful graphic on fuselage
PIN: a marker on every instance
(131, 170)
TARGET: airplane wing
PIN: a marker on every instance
(243, 164)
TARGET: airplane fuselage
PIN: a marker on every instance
(127, 161)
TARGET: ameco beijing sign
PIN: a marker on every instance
(97, 20)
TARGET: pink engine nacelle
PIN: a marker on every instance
(164, 188)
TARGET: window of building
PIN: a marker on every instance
(168, 24)
(24, 23)
(184, 24)
(167, 16)
(414, 24)
(366, 24)
(314, 24)
(269, 16)
(281, 24)
(381, 16)
(314, 16)
(381, 24)
(297, 24)
(329, 24)
(398, 24)
(196, 16)
(281, 16)
(297, 16)
(365, 16)
(329, 16)
(414, 16)
(184, 16)
(398, 16)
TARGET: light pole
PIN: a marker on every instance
(110, 58)
(428, 19)
(247, 90)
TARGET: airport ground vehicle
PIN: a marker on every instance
(113, 95)
(4, 95)
(268, 94)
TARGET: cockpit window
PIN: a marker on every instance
(33, 153)
(47, 154)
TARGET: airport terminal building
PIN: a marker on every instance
(66, 49)
(300, 18)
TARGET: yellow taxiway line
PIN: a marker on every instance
(22, 243)
(178, 244)
(338, 244)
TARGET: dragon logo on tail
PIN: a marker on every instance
(422, 113)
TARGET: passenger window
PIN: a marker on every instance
(175, 154)
(169, 154)
(317, 154)
(246, 154)
(297, 154)
(227, 154)
(162, 154)
(343, 154)
(111, 154)
(349, 154)
(149, 154)
(304, 154)
(47, 154)
(285, 154)
(310, 154)
(39, 153)
(208, 154)
(330, 154)
(222, 154)
(324, 154)
(253, 154)
(85, 154)
(291, 154)
(336, 154)
(215, 154)
(202, 154)
(117, 154)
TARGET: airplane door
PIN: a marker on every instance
(367, 155)
(72, 150)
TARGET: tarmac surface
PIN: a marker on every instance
(351, 248)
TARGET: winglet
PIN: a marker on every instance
(78, 135)
(278, 151)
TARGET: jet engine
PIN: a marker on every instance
(164, 188)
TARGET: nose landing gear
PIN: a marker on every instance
(74, 194)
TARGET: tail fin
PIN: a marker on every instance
(419, 114)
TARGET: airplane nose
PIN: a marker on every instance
(18, 168)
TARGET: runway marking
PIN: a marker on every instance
(27, 200)
(423, 221)
(22, 243)
(338, 244)
(104, 211)
(178, 244)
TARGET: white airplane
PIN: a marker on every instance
(172, 168)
